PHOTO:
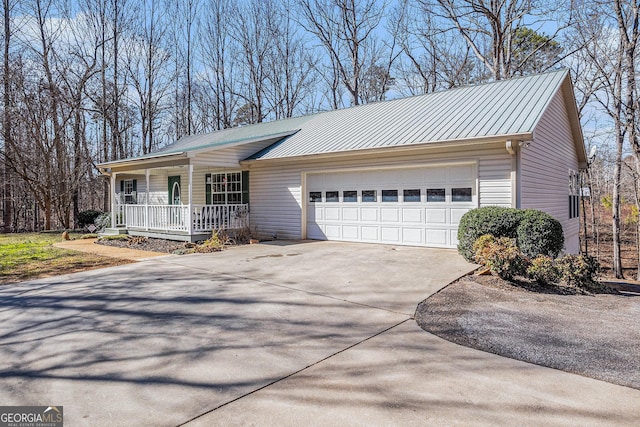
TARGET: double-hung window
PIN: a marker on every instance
(128, 191)
(223, 188)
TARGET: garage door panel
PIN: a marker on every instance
(390, 234)
(314, 231)
(436, 216)
(350, 214)
(369, 214)
(431, 220)
(370, 233)
(412, 235)
(412, 215)
(456, 215)
(332, 214)
(350, 232)
(436, 237)
(332, 231)
(454, 237)
(389, 215)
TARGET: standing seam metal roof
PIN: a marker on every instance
(506, 107)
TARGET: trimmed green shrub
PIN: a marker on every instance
(86, 218)
(579, 271)
(494, 220)
(89, 236)
(539, 234)
(501, 256)
(543, 270)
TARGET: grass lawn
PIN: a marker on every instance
(27, 256)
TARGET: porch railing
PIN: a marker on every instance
(177, 218)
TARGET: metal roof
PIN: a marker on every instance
(505, 108)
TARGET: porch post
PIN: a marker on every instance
(113, 199)
(146, 201)
(190, 214)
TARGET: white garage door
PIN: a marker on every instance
(417, 206)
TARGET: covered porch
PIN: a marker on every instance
(181, 222)
(178, 199)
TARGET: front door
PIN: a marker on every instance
(174, 190)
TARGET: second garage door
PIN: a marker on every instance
(417, 206)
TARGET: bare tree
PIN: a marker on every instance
(490, 29)
(346, 30)
(147, 65)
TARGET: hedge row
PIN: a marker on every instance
(536, 232)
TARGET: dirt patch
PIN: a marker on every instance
(597, 336)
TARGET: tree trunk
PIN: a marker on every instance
(6, 126)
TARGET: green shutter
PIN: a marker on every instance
(245, 186)
(135, 185)
(207, 188)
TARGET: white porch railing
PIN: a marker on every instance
(176, 218)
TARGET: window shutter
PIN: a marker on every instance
(207, 188)
(135, 185)
(245, 187)
(122, 186)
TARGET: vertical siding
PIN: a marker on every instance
(276, 187)
(545, 166)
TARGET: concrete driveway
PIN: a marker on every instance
(281, 333)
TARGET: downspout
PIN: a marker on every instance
(511, 149)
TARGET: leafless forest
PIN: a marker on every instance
(87, 81)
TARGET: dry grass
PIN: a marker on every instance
(29, 256)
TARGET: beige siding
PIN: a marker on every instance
(276, 186)
(545, 166)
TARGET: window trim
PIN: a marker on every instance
(231, 179)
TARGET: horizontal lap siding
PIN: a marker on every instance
(545, 166)
(275, 187)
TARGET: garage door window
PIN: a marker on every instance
(389, 195)
(369, 196)
(332, 196)
(461, 194)
(315, 196)
(349, 196)
(411, 195)
(435, 195)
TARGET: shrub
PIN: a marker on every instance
(494, 220)
(215, 243)
(501, 256)
(102, 221)
(579, 271)
(89, 236)
(539, 233)
(86, 218)
(480, 246)
(543, 269)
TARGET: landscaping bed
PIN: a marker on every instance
(595, 335)
(145, 244)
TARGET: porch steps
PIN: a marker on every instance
(113, 231)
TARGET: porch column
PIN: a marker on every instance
(190, 215)
(146, 201)
(113, 199)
